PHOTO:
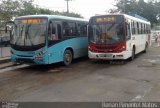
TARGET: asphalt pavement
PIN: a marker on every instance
(4, 54)
(85, 81)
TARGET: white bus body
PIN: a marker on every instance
(136, 38)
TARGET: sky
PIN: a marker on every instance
(86, 8)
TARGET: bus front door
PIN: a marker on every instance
(56, 37)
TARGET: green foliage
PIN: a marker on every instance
(27, 8)
(8, 8)
(149, 10)
(14, 8)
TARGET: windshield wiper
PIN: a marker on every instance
(110, 26)
(20, 35)
(27, 34)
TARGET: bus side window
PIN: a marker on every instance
(133, 28)
(72, 29)
(83, 30)
(53, 29)
(52, 32)
(49, 31)
(128, 33)
(69, 29)
(59, 31)
(65, 29)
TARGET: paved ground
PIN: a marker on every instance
(86, 80)
(4, 52)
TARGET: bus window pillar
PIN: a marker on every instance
(128, 31)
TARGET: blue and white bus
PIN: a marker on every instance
(47, 39)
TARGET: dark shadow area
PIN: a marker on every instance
(56, 67)
(110, 62)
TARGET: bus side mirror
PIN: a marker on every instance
(9, 24)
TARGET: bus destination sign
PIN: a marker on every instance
(31, 21)
(105, 19)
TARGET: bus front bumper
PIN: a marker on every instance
(26, 60)
(109, 56)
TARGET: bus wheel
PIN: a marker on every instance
(67, 57)
(146, 47)
(133, 54)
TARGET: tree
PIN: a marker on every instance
(14, 8)
(27, 8)
(8, 9)
(149, 10)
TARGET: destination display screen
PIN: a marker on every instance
(31, 21)
(107, 19)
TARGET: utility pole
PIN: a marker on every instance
(124, 6)
(67, 5)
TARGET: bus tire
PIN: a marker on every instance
(67, 57)
(133, 54)
(146, 47)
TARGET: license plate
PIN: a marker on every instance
(105, 55)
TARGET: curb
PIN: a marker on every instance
(5, 60)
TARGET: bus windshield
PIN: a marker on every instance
(106, 33)
(29, 32)
(106, 30)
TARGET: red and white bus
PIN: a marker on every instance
(117, 36)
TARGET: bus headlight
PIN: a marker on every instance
(39, 55)
(120, 48)
(92, 49)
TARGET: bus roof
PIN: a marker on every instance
(136, 19)
(127, 16)
(137, 16)
(53, 17)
